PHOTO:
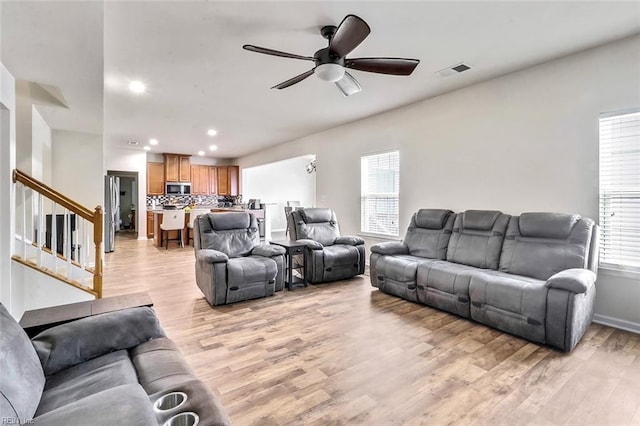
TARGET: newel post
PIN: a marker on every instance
(97, 239)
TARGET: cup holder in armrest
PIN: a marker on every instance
(169, 402)
(188, 418)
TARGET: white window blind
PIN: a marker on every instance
(380, 184)
(620, 190)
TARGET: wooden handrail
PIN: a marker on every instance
(95, 217)
(52, 194)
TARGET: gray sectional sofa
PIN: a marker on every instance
(108, 369)
(531, 275)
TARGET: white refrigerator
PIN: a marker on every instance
(111, 211)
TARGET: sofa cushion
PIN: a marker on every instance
(69, 344)
(107, 408)
(340, 254)
(159, 365)
(429, 232)
(477, 238)
(21, 376)
(242, 271)
(233, 234)
(547, 225)
(315, 224)
(317, 215)
(87, 378)
(445, 285)
(512, 303)
(397, 275)
(531, 250)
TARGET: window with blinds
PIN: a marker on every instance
(620, 190)
(380, 184)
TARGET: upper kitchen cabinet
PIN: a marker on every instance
(177, 168)
(155, 179)
(200, 180)
(213, 180)
(228, 179)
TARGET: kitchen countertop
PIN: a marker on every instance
(231, 209)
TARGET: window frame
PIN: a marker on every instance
(611, 267)
(373, 234)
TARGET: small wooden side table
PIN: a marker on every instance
(294, 261)
(38, 320)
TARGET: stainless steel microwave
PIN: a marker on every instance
(177, 188)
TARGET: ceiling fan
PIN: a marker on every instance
(331, 61)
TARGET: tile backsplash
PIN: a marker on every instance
(182, 199)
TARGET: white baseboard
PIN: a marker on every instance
(633, 327)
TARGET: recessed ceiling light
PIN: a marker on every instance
(212, 132)
(147, 148)
(200, 152)
(137, 86)
(153, 141)
(212, 147)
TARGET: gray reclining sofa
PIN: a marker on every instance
(231, 264)
(531, 275)
(108, 369)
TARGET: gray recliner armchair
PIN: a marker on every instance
(329, 256)
(231, 264)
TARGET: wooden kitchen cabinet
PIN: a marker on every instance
(150, 224)
(228, 180)
(213, 180)
(155, 179)
(177, 168)
(200, 180)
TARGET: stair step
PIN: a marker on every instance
(75, 283)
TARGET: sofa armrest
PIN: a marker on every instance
(211, 256)
(349, 241)
(75, 342)
(268, 251)
(390, 248)
(575, 280)
(313, 245)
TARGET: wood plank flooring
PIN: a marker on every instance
(345, 353)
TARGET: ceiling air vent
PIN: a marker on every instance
(455, 69)
(132, 142)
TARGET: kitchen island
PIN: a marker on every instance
(158, 213)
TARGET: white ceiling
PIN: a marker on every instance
(190, 55)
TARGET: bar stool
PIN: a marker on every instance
(192, 216)
(172, 220)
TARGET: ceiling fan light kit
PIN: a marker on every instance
(329, 72)
(331, 62)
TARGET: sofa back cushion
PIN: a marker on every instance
(21, 376)
(476, 239)
(429, 232)
(539, 245)
(317, 224)
(234, 233)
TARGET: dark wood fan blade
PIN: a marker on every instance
(294, 80)
(394, 66)
(272, 52)
(350, 33)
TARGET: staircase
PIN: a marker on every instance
(57, 236)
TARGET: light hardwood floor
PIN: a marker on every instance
(345, 353)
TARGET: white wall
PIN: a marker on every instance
(7, 164)
(527, 141)
(41, 134)
(279, 182)
(77, 162)
(129, 160)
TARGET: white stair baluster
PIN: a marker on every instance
(54, 237)
(41, 224)
(24, 222)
